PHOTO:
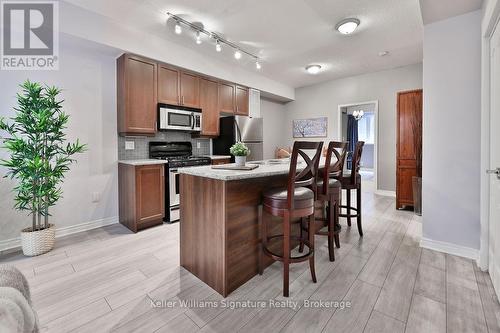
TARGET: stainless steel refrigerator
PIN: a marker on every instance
(239, 128)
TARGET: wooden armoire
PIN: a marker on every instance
(408, 145)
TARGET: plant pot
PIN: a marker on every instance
(417, 195)
(240, 160)
(38, 242)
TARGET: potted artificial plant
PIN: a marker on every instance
(240, 152)
(39, 158)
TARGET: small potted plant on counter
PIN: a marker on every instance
(240, 152)
(39, 158)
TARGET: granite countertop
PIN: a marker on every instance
(143, 162)
(265, 169)
(218, 157)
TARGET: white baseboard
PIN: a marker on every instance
(386, 193)
(450, 248)
(15, 243)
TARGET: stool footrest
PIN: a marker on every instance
(278, 257)
(347, 215)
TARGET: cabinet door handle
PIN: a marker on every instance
(182, 100)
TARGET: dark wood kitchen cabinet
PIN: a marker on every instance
(177, 87)
(409, 145)
(168, 85)
(141, 191)
(190, 90)
(210, 107)
(227, 93)
(136, 95)
(241, 101)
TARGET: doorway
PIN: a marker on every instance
(359, 122)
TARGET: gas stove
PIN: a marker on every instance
(178, 154)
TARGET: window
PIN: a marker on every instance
(366, 128)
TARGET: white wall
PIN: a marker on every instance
(323, 99)
(451, 131)
(274, 115)
(87, 77)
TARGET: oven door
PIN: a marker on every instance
(172, 119)
(174, 192)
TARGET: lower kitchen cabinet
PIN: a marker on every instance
(141, 191)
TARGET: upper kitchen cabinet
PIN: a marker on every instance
(168, 85)
(241, 101)
(210, 107)
(227, 94)
(177, 87)
(136, 95)
(190, 90)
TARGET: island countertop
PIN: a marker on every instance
(266, 169)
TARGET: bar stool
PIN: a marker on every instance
(351, 180)
(328, 193)
(296, 201)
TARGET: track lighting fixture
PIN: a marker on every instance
(238, 51)
(178, 28)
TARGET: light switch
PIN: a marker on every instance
(129, 145)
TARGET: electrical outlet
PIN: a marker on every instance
(198, 144)
(96, 196)
(129, 145)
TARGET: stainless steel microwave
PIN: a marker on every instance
(179, 119)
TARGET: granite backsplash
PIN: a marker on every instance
(141, 144)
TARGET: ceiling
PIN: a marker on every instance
(437, 10)
(287, 34)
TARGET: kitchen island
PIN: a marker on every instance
(219, 234)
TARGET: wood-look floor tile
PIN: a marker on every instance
(395, 297)
(427, 315)
(353, 319)
(180, 324)
(78, 317)
(431, 283)
(117, 271)
(464, 309)
(380, 323)
(434, 259)
(491, 306)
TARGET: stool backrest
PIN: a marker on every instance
(356, 161)
(334, 162)
(309, 175)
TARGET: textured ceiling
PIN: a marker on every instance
(437, 10)
(288, 34)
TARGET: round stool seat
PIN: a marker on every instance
(277, 198)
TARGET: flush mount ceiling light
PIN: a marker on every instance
(313, 69)
(347, 26)
(199, 30)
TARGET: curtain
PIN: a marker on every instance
(352, 137)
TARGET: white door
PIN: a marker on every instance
(494, 232)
